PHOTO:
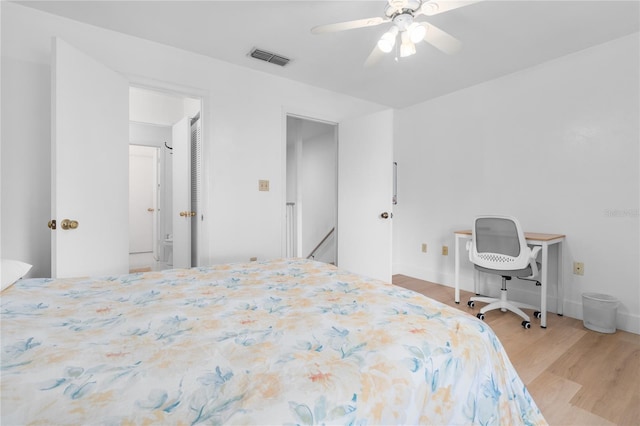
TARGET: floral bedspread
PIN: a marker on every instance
(281, 342)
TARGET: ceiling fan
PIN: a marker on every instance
(402, 14)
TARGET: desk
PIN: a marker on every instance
(535, 239)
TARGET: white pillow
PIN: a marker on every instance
(12, 271)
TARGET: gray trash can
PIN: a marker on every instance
(599, 312)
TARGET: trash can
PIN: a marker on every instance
(599, 312)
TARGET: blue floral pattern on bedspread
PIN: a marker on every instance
(280, 342)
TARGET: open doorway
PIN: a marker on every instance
(312, 189)
(143, 199)
(166, 219)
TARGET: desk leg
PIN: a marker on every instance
(476, 281)
(456, 297)
(560, 300)
(545, 282)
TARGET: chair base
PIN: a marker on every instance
(503, 304)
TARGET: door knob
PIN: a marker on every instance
(52, 224)
(192, 214)
(151, 209)
(386, 215)
(183, 214)
(67, 224)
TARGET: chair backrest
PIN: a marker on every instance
(498, 243)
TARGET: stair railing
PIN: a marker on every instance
(326, 237)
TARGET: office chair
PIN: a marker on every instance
(498, 246)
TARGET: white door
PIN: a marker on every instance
(89, 170)
(365, 190)
(181, 212)
(142, 195)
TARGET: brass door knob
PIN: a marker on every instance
(183, 214)
(151, 209)
(192, 214)
(52, 224)
(384, 215)
(67, 224)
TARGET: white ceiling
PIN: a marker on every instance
(499, 37)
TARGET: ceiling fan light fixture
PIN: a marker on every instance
(416, 32)
(407, 48)
(402, 14)
(388, 40)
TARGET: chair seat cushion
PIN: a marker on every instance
(507, 273)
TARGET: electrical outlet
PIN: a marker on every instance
(263, 185)
(578, 268)
(424, 247)
(445, 250)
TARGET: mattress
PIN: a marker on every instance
(287, 341)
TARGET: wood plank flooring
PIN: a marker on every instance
(575, 375)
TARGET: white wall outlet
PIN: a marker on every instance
(578, 268)
(424, 247)
(445, 250)
(263, 185)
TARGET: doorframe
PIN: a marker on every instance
(319, 118)
(169, 88)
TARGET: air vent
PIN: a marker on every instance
(273, 58)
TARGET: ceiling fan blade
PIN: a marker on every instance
(374, 57)
(441, 40)
(434, 7)
(349, 25)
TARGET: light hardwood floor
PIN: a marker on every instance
(575, 375)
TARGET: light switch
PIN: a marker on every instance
(263, 185)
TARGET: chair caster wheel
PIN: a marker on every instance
(470, 304)
(480, 316)
(537, 314)
(526, 324)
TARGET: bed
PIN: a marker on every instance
(286, 341)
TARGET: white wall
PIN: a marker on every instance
(160, 108)
(555, 145)
(26, 162)
(318, 178)
(243, 114)
(149, 106)
(294, 153)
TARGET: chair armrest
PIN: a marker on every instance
(535, 251)
(532, 261)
